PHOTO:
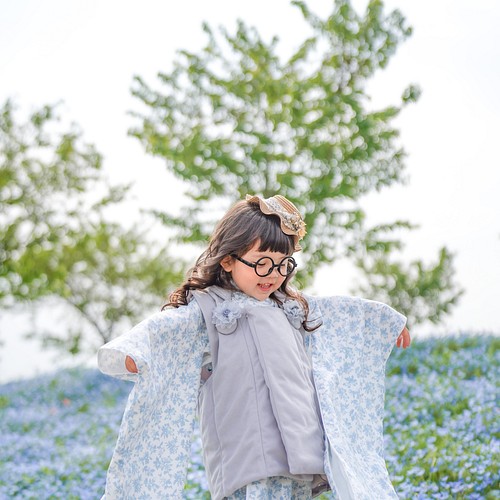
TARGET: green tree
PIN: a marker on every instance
(44, 180)
(236, 118)
(424, 292)
(55, 240)
(114, 277)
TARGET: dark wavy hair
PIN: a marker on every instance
(236, 233)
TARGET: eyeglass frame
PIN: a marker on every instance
(273, 266)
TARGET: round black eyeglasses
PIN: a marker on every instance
(265, 265)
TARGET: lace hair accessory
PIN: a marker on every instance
(291, 220)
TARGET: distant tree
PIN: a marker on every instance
(424, 292)
(236, 119)
(45, 181)
(54, 238)
(114, 277)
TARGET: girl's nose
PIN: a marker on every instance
(275, 272)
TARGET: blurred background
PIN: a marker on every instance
(82, 57)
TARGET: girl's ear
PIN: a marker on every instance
(227, 263)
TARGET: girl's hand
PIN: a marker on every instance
(404, 339)
(130, 365)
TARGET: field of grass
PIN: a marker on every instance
(57, 432)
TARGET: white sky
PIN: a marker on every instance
(85, 53)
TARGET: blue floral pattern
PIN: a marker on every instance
(348, 351)
(153, 448)
(349, 354)
(274, 488)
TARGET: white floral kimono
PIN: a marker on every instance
(349, 352)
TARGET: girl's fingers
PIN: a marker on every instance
(404, 339)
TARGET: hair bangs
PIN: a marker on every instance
(272, 238)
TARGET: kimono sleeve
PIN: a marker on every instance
(139, 342)
(349, 353)
(152, 452)
(359, 323)
(386, 323)
(134, 343)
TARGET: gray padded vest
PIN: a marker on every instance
(258, 411)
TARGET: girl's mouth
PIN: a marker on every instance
(265, 287)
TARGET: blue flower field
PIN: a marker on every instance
(57, 432)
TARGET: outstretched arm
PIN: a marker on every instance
(404, 339)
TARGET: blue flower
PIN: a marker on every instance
(294, 313)
(225, 317)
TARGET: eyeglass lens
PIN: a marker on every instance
(265, 265)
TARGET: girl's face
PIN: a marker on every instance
(245, 277)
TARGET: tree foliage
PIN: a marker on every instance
(55, 240)
(44, 178)
(424, 292)
(114, 277)
(236, 118)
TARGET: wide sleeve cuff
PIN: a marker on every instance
(134, 343)
(390, 323)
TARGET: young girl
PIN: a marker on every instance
(289, 389)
